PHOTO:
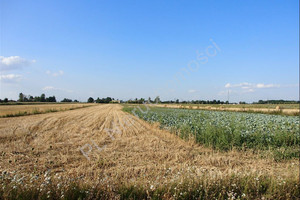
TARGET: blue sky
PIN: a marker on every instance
(172, 49)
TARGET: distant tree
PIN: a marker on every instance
(281, 101)
(76, 101)
(26, 98)
(157, 100)
(5, 100)
(21, 97)
(141, 100)
(43, 98)
(31, 98)
(90, 100)
(98, 100)
(66, 100)
(261, 102)
(37, 99)
(52, 99)
(108, 99)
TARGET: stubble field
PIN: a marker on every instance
(31, 109)
(103, 152)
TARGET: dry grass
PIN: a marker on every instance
(11, 110)
(139, 154)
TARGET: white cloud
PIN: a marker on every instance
(10, 77)
(261, 85)
(228, 85)
(48, 88)
(13, 62)
(59, 73)
(191, 91)
(243, 88)
(51, 88)
(242, 85)
(246, 87)
(250, 86)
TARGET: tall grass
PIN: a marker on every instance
(229, 187)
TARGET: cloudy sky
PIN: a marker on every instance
(172, 49)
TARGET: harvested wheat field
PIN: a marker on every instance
(103, 152)
(21, 110)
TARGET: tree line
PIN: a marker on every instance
(41, 98)
(177, 101)
(98, 100)
(142, 100)
(277, 102)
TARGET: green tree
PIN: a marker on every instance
(157, 99)
(66, 100)
(21, 97)
(141, 101)
(108, 99)
(37, 99)
(98, 100)
(43, 98)
(51, 99)
(90, 100)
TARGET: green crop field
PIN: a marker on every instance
(275, 134)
